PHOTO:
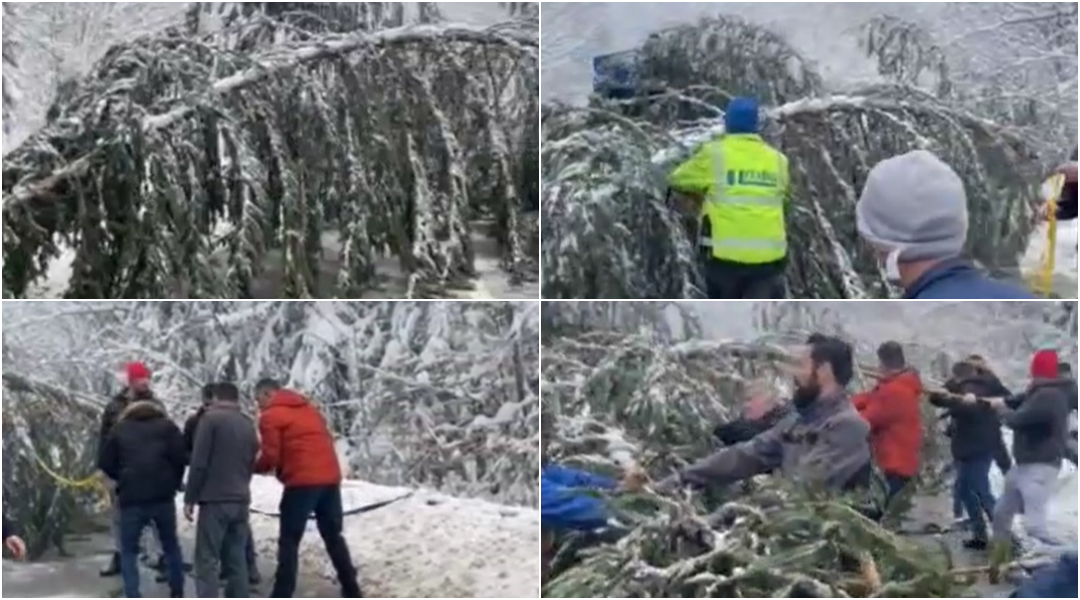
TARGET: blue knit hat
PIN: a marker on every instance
(741, 116)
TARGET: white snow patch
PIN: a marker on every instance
(427, 546)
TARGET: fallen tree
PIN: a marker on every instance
(609, 234)
(175, 166)
(613, 398)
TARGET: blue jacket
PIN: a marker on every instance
(1055, 581)
(563, 507)
(9, 529)
(957, 279)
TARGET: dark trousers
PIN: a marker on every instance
(894, 484)
(250, 556)
(726, 280)
(973, 481)
(1002, 458)
(297, 504)
(957, 498)
(221, 538)
(133, 520)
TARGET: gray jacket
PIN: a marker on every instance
(824, 445)
(223, 457)
(1040, 423)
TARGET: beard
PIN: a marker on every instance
(806, 393)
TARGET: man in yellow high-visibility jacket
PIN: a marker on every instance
(744, 185)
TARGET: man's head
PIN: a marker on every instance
(825, 366)
(264, 389)
(208, 394)
(964, 370)
(226, 392)
(913, 211)
(1065, 370)
(980, 364)
(741, 116)
(891, 357)
(138, 377)
(1044, 365)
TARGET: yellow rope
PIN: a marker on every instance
(1043, 281)
(93, 483)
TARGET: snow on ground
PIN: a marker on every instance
(429, 545)
(491, 281)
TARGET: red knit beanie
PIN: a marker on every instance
(1044, 365)
(137, 371)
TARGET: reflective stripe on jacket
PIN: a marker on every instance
(746, 185)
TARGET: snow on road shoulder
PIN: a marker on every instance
(429, 545)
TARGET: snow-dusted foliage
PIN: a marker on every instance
(184, 158)
(614, 394)
(435, 394)
(609, 234)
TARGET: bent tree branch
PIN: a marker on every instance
(178, 166)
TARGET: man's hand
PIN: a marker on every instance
(16, 546)
(189, 512)
(1068, 170)
(970, 398)
(995, 403)
(634, 479)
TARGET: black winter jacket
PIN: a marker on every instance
(191, 426)
(112, 412)
(144, 454)
(9, 528)
(1040, 424)
(976, 428)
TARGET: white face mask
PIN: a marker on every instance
(892, 266)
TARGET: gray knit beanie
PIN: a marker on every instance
(916, 204)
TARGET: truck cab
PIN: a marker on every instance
(618, 76)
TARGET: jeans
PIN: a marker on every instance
(1028, 489)
(297, 504)
(114, 524)
(973, 481)
(894, 484)
(957, 501)
(221, 537)
(133, 520)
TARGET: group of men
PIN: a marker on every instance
(145, 456)
(825, 438)
(912, 211)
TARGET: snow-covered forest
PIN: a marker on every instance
(989, 87)
(645, 383)
(437, 395)
(270, 150)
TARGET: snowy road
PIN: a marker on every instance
(428, 546)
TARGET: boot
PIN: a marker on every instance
(1000, 555)
(351, 589)
(977, 544)
(112, 568)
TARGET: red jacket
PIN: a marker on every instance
(296, 443)
(893, 411)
